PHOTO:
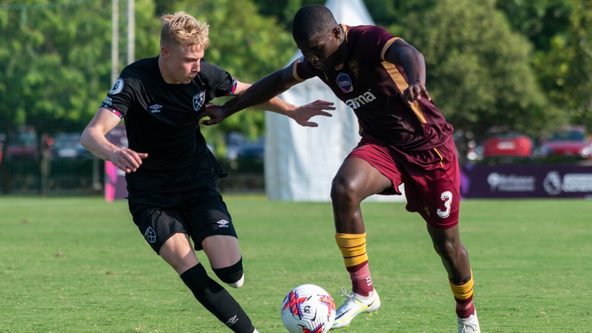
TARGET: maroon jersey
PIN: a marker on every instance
(373, 88)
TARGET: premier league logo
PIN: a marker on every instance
(344, 82)
(198, 100)
(117, 87)
(552, 183)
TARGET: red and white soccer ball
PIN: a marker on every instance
(308, 308)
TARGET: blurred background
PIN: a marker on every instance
(514, 77)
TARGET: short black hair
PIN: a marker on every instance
(311, 20)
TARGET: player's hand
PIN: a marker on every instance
(126, 159)
(415, 92)
(215, 114)
(303, 113)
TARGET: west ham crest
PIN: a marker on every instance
(150, 235)
(198, 100)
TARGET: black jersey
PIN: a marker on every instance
(162, 120)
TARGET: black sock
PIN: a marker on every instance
(216, 299)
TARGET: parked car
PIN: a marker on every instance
(507, 143)
(67, 145)
(233, 141)
(250, 156)
(571, 141)
(22, 145)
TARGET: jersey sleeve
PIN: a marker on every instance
(220, 82)
(373, 42)
(302, 69)
(121, 95)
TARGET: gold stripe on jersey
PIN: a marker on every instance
(295, 71)
(402, 84)
(386, 46)
(345, 30)
(440, 156)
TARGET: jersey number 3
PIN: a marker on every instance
(446, 197)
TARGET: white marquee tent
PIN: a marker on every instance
(300, 162)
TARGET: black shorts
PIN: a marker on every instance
(198, 217)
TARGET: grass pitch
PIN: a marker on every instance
(80, 265)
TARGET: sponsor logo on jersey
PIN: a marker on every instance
(117, 87)
(150, 235)
(223, 224)
(344, 82)
(155, 108)
(198, 100)
(361, 100)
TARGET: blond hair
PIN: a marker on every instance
(184, 30)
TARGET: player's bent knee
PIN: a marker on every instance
(232, 275)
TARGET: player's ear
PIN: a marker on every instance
(338, 32)
(164, 51)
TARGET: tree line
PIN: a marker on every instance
(522, 64)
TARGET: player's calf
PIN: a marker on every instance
(217, 300)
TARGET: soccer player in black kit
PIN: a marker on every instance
(405, 140)
(171, 175)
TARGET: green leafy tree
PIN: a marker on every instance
(560, 33)
(580, 72)
(57, 61)
(282, 10)
(572, 52)
(478, 69)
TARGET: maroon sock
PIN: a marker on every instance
(361, 280)
(465, 308)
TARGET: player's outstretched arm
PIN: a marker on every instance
(94, 140)
(400, 52)
(263, 94)
(302, 114)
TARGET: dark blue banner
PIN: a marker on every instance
(526, 181)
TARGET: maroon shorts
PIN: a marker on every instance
(431, 178)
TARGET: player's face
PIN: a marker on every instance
(321, 49)
(183, 62)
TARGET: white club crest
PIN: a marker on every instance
(150, 235)
(198, 100)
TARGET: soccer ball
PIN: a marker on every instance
(308, 308)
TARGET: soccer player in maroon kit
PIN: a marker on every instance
(405, 140)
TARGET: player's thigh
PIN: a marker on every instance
(358, 176)
(156, 224)
(222, 250)
(372, 168)
(165, 232)
(178, 253)
(434, 193)
(208, 217)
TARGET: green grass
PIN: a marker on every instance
(79, 265)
